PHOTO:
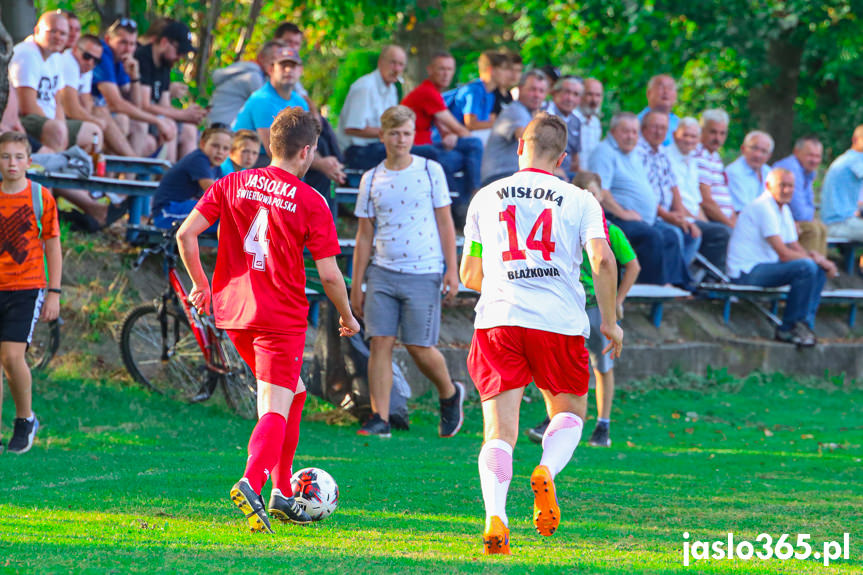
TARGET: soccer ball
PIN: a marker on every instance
(316, 491)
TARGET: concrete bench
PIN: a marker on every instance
(848, 249)
(656, 295)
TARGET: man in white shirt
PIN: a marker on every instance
(360, 120)
(36, 73)
(403, 205)
(524, 239)
(588, 113)
(764, 251)
(714, 236)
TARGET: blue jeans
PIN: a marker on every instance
(658, 251)
(688, 244)
(714, 242)
(806, 279)
(466, 157)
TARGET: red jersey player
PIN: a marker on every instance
(267, 217)
(524, 239)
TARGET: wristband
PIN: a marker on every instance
(133, 80)
(55, 290)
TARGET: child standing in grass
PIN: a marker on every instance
(29, 243)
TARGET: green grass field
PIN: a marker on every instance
(124, 481)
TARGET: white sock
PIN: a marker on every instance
(560, 440)
(495, 474)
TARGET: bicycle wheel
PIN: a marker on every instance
(239, 383)
(43, 344)
(142, 347)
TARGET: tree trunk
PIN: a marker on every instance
(110, 10)
(206, 25)
(19, 18)
(247, 32)
(772, 102)
(421, 36)
(5, 56)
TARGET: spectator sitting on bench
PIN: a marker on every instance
(565, 99)
(764, 251)
(184, 184)
(236, 83)
(715, 197)
(804, 163)
(747, 174)
(840, 193)
(245, 149)
(473, 103)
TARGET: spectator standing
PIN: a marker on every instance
(748, 173)
(500, 158)
(588, 114)
(714, 236)
(565, 99)
(403, 206)
(631, 204)
(234, 84)
(291, 36)
(840, 193)
(764, 251)
(715, 197)
(661, 97)
(29, 212)
(803, 163)
(245, 149)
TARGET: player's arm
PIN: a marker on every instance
(54, 261)
(604, 268)
(446, 231)
(187, 243)
(471, 266)
(334, 287)
(362, 255)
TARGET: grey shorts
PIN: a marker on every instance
(403, 305)
(33, 124)
(597, 342)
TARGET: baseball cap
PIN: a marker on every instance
(180, 33)
(285, 53)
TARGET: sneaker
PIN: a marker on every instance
(375, 426)
(536, 434)
(23, 435)
(600, 437)
(806, 337)
(400, 422)
(452, 412)
(546, 513)
(251, 505)
(287, 510)
(495, 540)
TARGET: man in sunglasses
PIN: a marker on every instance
(117, 88)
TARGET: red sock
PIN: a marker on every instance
(283, 471)
(264, 447)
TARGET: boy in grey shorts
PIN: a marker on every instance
(603, 365)
(403, 205)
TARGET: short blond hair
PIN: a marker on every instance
(546, 135)
(396, 116)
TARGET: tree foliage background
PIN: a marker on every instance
(788, 66)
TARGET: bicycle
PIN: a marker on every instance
(169, 347)
(44, 344)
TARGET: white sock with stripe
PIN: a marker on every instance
(495, 474)
(560, 440)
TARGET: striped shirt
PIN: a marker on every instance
(711, 171)
(659, 173)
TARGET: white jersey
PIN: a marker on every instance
(533, 228)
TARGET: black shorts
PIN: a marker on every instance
(19, 311)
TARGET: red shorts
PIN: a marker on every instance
(509, 357)
(275, 358)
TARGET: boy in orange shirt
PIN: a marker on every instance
(28, 244)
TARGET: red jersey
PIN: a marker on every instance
(425, 101)
(267, 217)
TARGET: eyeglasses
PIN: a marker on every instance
(90, 57)
(125, 23)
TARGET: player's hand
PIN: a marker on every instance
(348, 327)
(358, 298)
(449, 141)
(167, 129)
(615, 333)
(450, 286)
(51, 307)
(200, 298)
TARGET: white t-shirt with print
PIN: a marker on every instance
(402, 203)
(72, 75)
(28, 69)
(530, 277)
(759, 220)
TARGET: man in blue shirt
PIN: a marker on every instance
(803, 163)
(631, 204)
(473, 103)
(746, 175)
(661, 97)
(841, 192)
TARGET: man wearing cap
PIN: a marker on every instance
(172, 42)
(274, 96)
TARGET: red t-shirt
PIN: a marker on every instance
(425, 101)
(267, 217)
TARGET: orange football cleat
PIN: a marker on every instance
(495, 540)
(546, 512)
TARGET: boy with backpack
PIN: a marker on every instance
(29, 247)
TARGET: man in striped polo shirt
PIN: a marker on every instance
(715, 197)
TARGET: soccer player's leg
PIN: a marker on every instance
(282, 505)
(562, 377)
(498, 368)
